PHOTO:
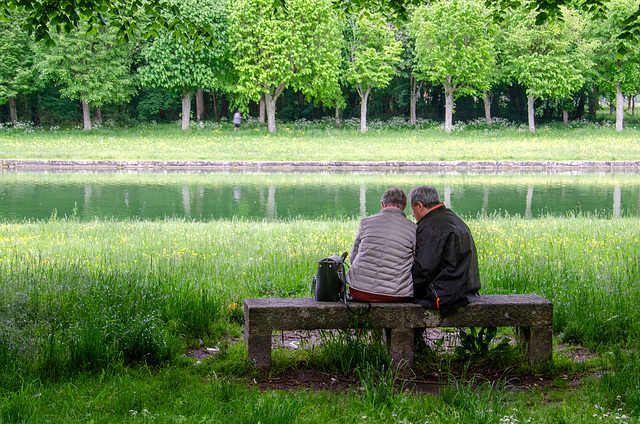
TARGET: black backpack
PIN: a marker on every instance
(329, 282)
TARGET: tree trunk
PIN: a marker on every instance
(262, 110)
(413, 101)
(633, 106)
(487, 107)
(199, 105)
(98, 115)
(215, 105)
(186, 110)
(338, 123)
(363, 110)
(270, 105)
(448, 108)
(619, 108)
(565, 117)
(86, 116)
(13, 109)
(531, 113)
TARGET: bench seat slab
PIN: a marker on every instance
(531, 313)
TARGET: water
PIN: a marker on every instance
(125, 194)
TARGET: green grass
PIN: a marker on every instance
(94, 317)
(393, 140)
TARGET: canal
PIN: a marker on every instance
(202, 196)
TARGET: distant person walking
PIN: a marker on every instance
(237, 119)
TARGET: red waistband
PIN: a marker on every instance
(372, 297)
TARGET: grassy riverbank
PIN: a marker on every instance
(95, 316)
(320, 141)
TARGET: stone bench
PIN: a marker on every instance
(530, 314)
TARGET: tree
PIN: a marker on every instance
(274, 49)
(615, 75)
(407, 69)
(372, 54)
(178, 65)
(454, 48)
(549, 60)
(16, 65)
(93, 69)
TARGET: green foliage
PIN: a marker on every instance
(478, 342)
(177, 65)
(610, 69)
(91, 68)
(155, 100)
(477, 401)
(372, 52)
(379, 386)
(620, 387)
(125, 18)
(550, 60)
(16, 60)
(356, 350)
(454, 46)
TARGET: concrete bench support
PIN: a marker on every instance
(530, 314)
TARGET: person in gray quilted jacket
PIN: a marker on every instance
(382, 253)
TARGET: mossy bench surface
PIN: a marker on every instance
(531, 314)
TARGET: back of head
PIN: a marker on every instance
(427, 195)
(395, 197)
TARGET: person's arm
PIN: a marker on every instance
(449, 285)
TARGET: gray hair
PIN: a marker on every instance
(427, 195)
(395, 197)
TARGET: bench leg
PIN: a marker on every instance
(258, 349)
(539, 343)
(401, 347)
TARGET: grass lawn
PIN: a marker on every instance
(96, 317)
(320, 141)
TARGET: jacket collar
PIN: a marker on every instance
(438, 208)
(392, 209)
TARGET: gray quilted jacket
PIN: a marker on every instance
(382, 254)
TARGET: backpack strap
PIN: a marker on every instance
(343, 276)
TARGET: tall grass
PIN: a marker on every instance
(588, 267)
(94, 297)
(392, 140)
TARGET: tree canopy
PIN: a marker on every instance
(17, 74)
(149, 16)
(93, 69)
(178, 66)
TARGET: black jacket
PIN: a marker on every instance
(445, 270)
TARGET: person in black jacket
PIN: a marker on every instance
(445, 269)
